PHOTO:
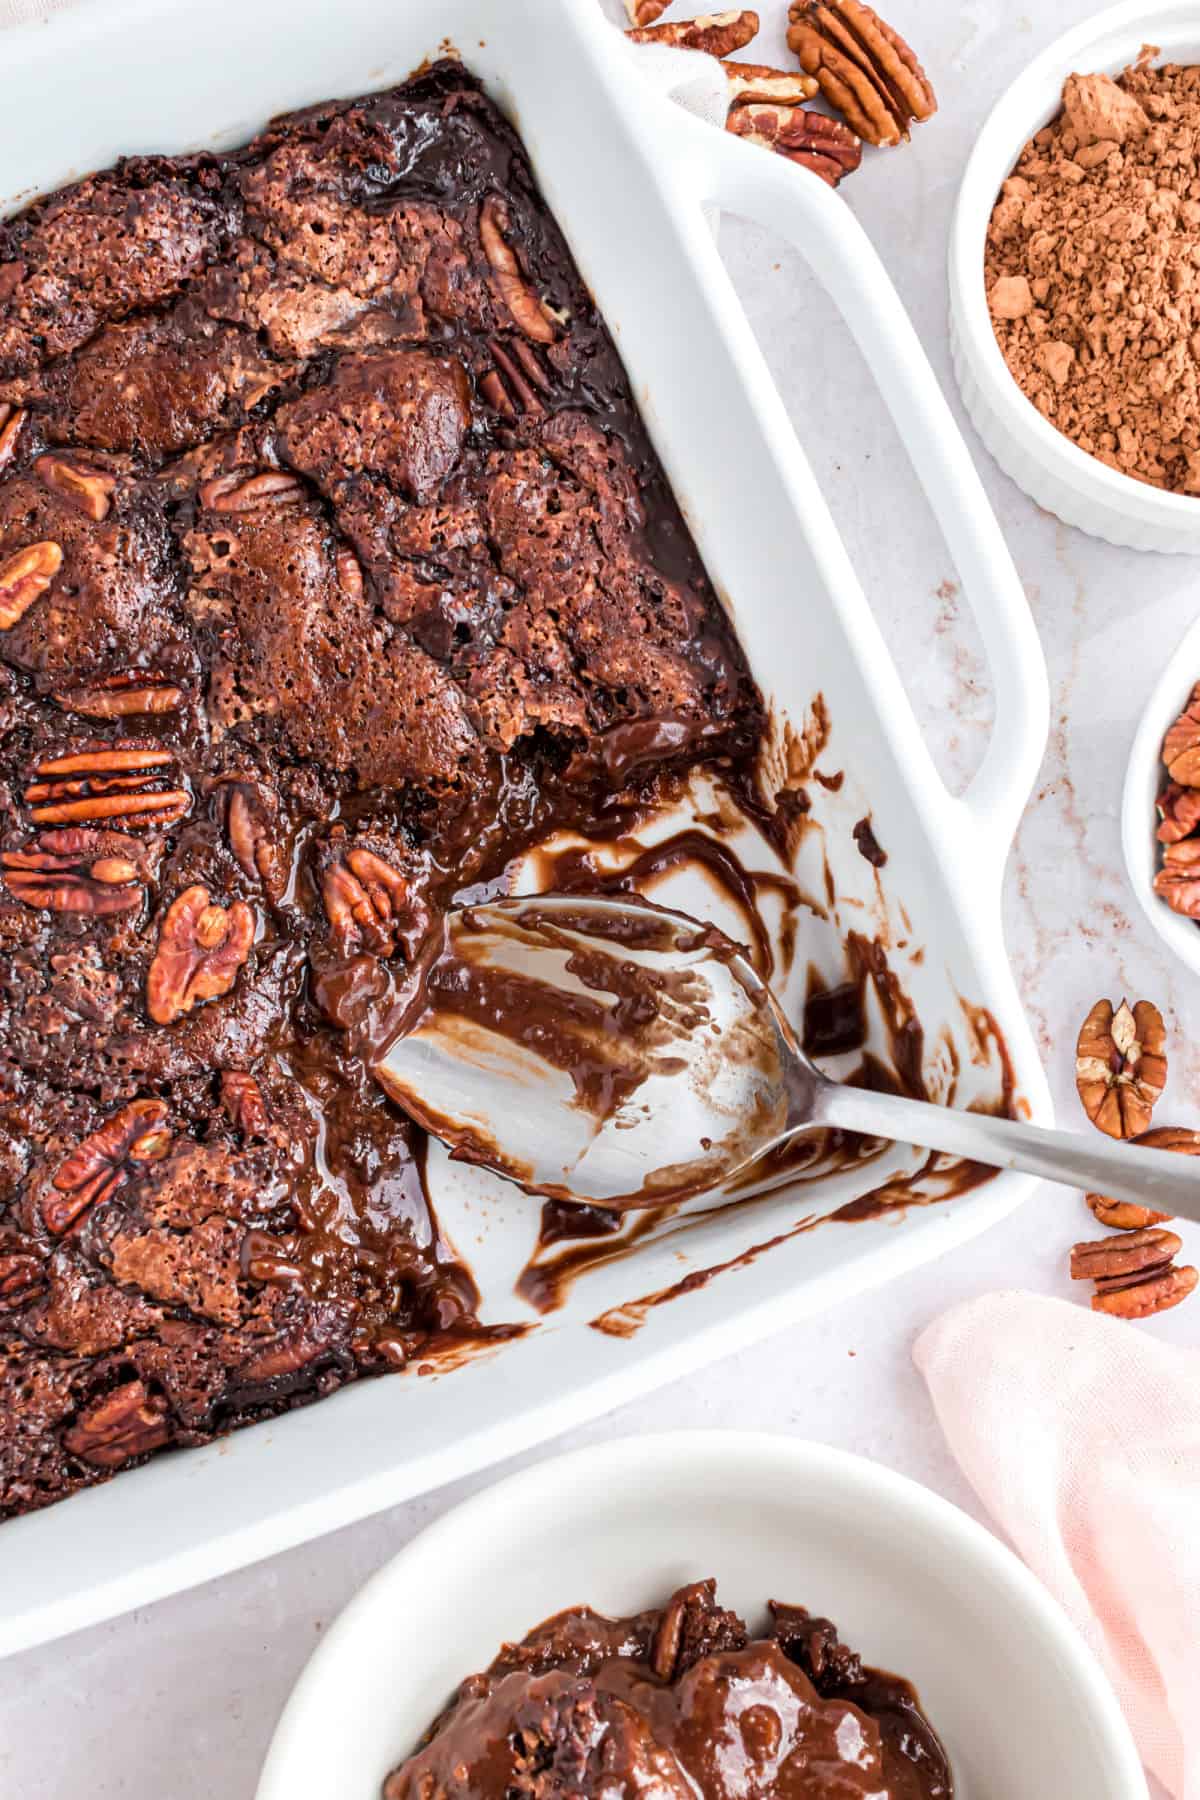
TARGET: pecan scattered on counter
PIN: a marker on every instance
(531, 314)
(200, 949)
(1123, 1215)
(644, 12)
(89, 490)
(864, 67)
(719, 34)
(24, 578)
(1135, 1275)
(1121, 1066)
(751, 82)
(814, 140)
(98, 1166)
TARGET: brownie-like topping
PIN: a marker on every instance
(334, 563)
(677, 1702)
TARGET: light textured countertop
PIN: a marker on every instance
(179, 1700)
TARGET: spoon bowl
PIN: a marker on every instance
(609, 1051)
(594, 1050)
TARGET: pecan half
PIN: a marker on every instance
(249, 812)
(239, 493)
(644, 12)
(510, 386)
(815, 141)
(1121, 1066)
(90, 490)
(750, 82)
(1121, 1258)
(531, 314)
(1181, 746)
(121, 696)
(1123, 1215)
(718, 34)
(21, 1280)
(365, 900)
(243, 1101)
(24, 578)
(98, 1166)
(201, 947)
(129, 1422)
(1178, 812)
(1151, 1293)
(263, 1260)
(865, 69)
(349, 574)
(1178, 881)
(11, 420)
(126, 784)
(77, 870)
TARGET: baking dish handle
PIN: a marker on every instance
(740, 178)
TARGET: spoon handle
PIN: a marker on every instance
(1161, 1179)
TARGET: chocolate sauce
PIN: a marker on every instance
(626, 1320)
(578, 871)
(868, 844)
(678, 1702)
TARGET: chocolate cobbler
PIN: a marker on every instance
(679, 1702)
(336, 569)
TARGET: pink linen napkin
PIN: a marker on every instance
(1081, 1435)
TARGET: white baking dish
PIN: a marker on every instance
(628, 175)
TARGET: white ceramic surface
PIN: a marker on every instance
(1143, 780)
(912, 1584)
(1052, 470)
(771, 548)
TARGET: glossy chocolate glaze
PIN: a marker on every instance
(683, 1702)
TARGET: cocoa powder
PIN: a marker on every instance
(1092, 269)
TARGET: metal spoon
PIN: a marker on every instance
(611, 1052)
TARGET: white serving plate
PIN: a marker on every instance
(177, 76)
(1143, 779)
(913, 1584)
(1048, 466)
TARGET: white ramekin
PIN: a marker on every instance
(1143, 780)
(1022, 1707)
(1052, 470)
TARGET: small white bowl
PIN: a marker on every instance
(913, 1584)
(1143, 781)
(1048, 466)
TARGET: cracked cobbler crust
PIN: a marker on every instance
(334, 563)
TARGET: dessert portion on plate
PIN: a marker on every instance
(679, 1701)
(336, 569)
